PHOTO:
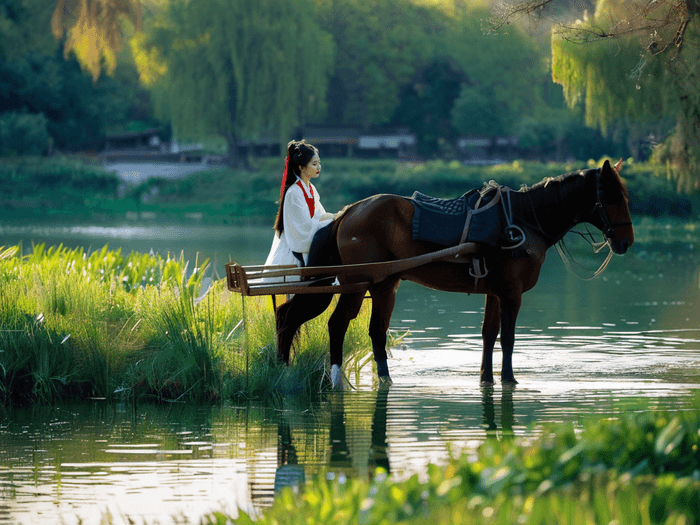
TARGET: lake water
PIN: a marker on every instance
(583, 349)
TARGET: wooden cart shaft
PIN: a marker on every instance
(348, 278)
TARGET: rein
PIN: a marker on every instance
(567, 258)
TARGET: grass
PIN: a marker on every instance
(75, 324)
(642, 468)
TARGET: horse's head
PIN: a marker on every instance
(611, 212)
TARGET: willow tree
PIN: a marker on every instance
(93, 30)
(235, 68)
(633, 61)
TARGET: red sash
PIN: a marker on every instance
(310, 201)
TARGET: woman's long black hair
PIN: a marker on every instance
(299, 154)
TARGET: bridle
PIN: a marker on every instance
(608, 230)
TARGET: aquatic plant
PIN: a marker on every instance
(141, 326)
(641, 468)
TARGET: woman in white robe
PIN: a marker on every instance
(300, 214)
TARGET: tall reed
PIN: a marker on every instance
(84, 324)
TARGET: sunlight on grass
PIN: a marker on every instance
(75, 324)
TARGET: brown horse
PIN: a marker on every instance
(379, 228)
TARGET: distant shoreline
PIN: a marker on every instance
(69, 190)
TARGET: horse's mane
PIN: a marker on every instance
(562, 178)
(548, 180)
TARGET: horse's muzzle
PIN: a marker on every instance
(620, 246)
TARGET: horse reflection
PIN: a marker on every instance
(489, 412)
(341, 457)
(344, 454)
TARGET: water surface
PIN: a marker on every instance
(583, 350)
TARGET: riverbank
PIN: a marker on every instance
(103, 324)
(72, 190)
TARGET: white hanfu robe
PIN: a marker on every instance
(299, 225)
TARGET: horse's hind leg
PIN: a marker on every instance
(383, 300)
(489, 333)
(345, 311)
(294, 313)
(509, 312)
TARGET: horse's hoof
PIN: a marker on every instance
(336, 378)
(487, 384)
(511, 381)
(385, 381)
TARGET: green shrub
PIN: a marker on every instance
(23, 134)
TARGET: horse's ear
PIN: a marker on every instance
(608, 169)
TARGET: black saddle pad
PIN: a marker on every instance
(442, 221)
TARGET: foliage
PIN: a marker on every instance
(53, 187)
(639, 468)
(680, 152)
(241, 196)
(379, 48)
(503, 73)
(24, 28)
(617, 81)
(426, 105)
(92, 30)
(75, 324)
(23, 134)
(38, 186)
(78, 111)
(425, 69)
(236, 69)
(37, 79)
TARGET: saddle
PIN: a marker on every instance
(473, 217)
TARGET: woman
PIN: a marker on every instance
(300, 212)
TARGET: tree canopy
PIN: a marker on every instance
(631, 64)
(92, 30)
(237, 69)
(619, 80)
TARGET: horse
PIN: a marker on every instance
(379, 228)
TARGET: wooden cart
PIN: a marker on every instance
(348, 278)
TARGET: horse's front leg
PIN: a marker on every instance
(383, 300)
(489, 333)
(509, 313)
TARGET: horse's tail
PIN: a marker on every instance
(324, 247)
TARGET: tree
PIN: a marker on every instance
(633, 63)
(503, 73)
(427, 102)
(380, 46)
(93, 31)
(24, 28)
(236, 69)
(77, 110)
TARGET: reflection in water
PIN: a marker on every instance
(507, 411)
(150, 463)
(341, 451)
